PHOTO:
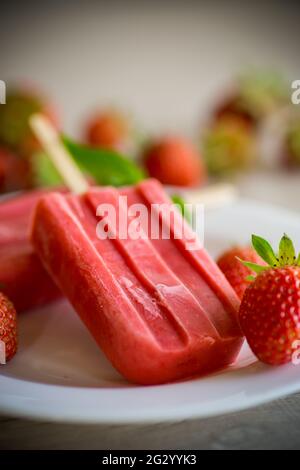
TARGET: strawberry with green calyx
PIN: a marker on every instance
(14, 120)
(17, 143)
(257, 93)
(262, 92)
(228, 147)
(232, 109)
(270, 309)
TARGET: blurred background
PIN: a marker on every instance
(189, 92)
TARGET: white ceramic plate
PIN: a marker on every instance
(59, 373)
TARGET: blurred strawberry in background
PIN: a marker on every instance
(14, 119)
(262, 92)
(17, 143)
(108, 129)
(15, 171)
(229, 146)
(232, 139)
(174, 161)
(291, 146)
(232, 109)
(256, 94)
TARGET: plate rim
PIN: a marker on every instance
(192, 412)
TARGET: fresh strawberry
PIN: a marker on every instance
(108, 129)
(233, 109)
(256, 95)
(8, 330)
(174, 161)
(236, 273)
(291, 150)
(14, 120)
(270, 309)
(229, 146)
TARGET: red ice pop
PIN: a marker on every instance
(22, 276)
(159, 310)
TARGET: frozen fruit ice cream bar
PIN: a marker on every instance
(159, 311)
(22, 276)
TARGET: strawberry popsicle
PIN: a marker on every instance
(159, 310)
(22, 276)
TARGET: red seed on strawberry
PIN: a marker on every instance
(8, 330)
(270, 309)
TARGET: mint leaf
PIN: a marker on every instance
(264, 250)
(107, 167)
(287, 255)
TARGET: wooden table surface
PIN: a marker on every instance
(272, 426)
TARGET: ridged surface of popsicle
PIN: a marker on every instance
(159, 311)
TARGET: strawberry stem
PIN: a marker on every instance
(286, 255)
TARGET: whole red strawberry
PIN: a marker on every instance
(236, 273)
(174, 161)
(8, 330)
(15, 132)
(229, 146)
(108, 129)
(270, 309)
(232, 108)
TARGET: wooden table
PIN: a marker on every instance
(272, 426)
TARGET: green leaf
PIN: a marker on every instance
(181, 204)
(264, 250)
(287, 255)
(250, 278)
(44, 172)
(257, 268)
(107, 167)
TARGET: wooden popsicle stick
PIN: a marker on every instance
(58, 154)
